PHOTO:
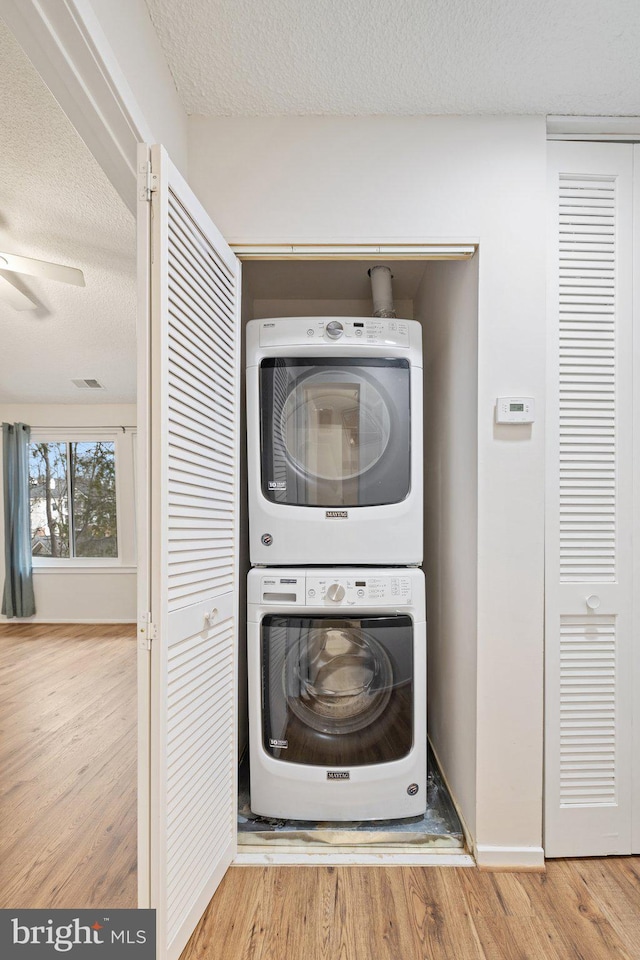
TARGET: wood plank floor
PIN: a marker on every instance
(67, 765)
(577, 910)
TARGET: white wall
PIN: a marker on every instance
(92, 594)
(447, 306)
(336, 179)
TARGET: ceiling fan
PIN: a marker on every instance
(32, 268)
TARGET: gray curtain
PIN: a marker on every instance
(17, 600)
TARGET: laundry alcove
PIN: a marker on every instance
(438, 286)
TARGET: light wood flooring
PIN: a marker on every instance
(577, 910)
(67, 765)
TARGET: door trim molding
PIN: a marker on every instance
(621, 129)
(356, 250)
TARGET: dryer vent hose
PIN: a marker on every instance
(381, 292)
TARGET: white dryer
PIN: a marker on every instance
(337, 693)
(334, 432)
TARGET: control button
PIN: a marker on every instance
(336, 592)
(310, 333)
(358, 333)
(334, 329)
(312, 592)
(361, 592)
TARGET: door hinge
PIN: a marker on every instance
(147, 631)
(148, 181)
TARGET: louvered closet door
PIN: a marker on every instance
(194, 352)
(589, 642)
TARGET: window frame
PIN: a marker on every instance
(84, 435)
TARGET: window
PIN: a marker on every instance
(72, 495)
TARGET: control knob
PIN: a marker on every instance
(335, 592)
(334, 329)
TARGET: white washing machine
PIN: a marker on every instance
(337, 693)
(334, 432)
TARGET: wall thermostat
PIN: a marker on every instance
(515, 410)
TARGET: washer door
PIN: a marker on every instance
(335, 431)
(337, 679)
(336, 691)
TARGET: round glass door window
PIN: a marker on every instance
(335, 425)
(338, 679)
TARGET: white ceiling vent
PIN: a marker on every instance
(88, 384)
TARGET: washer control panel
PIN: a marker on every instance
(334, 590)
(294, 331)
(365, 591)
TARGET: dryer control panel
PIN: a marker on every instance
(295, 331)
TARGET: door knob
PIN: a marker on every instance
(210, 616)
(593, 602)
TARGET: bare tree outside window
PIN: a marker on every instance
(73, 499)
(49, 499)
(93, 485)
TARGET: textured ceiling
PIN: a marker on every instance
(56, 204)
(251, 58)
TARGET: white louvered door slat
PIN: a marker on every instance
(193, 557)
(588, 634)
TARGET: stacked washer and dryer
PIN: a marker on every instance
(336, 620)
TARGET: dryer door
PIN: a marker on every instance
(335, 432)
(337, 691)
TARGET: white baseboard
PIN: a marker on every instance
(509, 858)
